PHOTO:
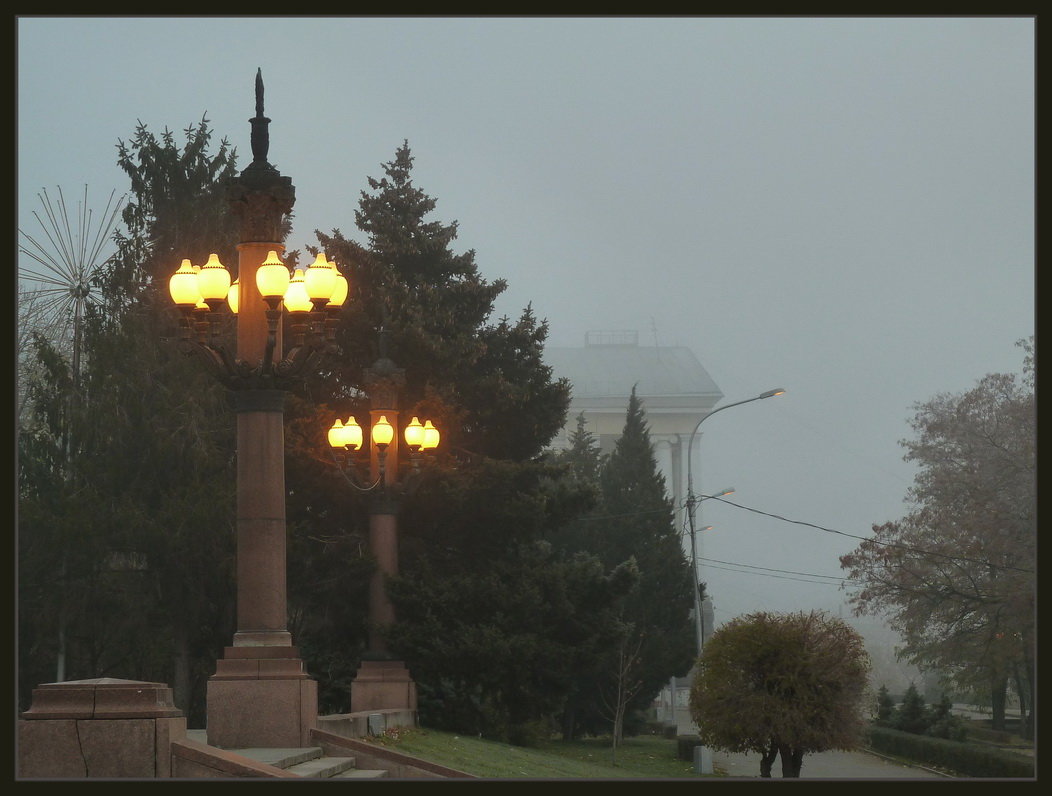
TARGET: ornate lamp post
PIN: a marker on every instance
(260, 695)
(382, 683)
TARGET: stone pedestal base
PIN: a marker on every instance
(261, 697)
(383, 685)
(102, 728)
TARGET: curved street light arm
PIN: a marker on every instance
(692, 503)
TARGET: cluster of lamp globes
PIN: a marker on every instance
(319, 286)
(349, 437)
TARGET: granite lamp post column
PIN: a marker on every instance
(383, 683)
(384, 381)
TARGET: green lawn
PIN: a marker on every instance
(648, 756)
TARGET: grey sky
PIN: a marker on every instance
(841, 207)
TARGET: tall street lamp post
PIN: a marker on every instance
(261, 694)
(382, 682)
(692, 502)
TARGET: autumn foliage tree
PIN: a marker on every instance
(781, 684)
(955, 576)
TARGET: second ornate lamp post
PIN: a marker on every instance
(382, 683)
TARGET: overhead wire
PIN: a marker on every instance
(896, 545)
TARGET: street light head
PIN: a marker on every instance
(296, 298)
(431, 436)
(339, 291)
(414, 434)
(352, 434)
(320, 279)
(182, 286)
(383, 433)
(213, 280)
(233, 296)
(772, 393)
(336, 434)
(272, 279)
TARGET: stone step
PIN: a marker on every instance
(322, 767)
(309, 762)
(280, 757)
(362, 773)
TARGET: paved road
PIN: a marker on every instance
(824, 765)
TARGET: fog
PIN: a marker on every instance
(841, 207)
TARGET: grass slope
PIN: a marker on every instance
(649, 757)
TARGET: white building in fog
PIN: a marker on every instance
(675, 389)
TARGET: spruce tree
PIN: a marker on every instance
(479, 519)
(630, 525)
(911, 715)
(639, 524)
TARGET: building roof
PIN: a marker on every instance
(605, 369)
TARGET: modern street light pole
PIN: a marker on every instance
(692, 502)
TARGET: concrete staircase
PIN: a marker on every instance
(309, 762)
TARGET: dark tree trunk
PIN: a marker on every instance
(767, 760)
(569, 723)
(1026, 684)
(181, 678)
(997, 701)
(1024, 699)
(792, 759)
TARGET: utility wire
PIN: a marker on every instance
(780, 577)
(908, 548)
(837, 578)
(897, 545)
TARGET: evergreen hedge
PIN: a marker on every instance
(965, 759)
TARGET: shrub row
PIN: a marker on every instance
(966, 759)
(985, 734)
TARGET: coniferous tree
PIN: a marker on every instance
(885, 707)
(911, 715)
(631, 524)
(145, 582)
(476, 521)
(640, 524)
